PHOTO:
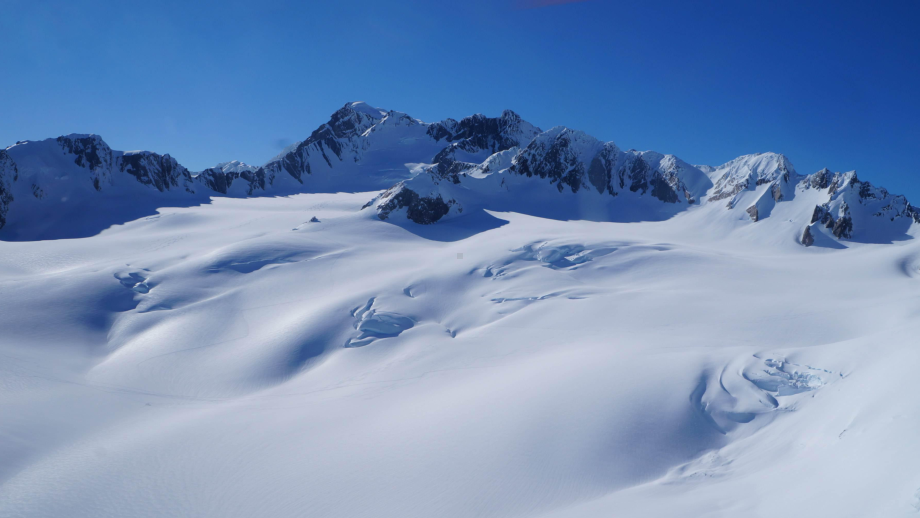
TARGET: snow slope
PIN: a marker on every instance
(237, 359)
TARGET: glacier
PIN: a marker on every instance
(470, 317)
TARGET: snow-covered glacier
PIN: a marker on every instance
(470, 317)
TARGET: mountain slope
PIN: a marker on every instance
(77, 185)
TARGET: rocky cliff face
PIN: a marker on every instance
(8, 175)
(572, 160)
(92, 153)
(246, 182)
(159, 171)
(474, 138)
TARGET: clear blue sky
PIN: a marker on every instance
(834, 85)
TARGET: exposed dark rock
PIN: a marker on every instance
(220, 181)
(662, 190)
(777, 191)
(834, 184)
(216, 180)
(478, 132)
(843, 227)
(255, 179)
(667, 186)
(807, 238)
(87, 150)
(452, 169)
(638, 175)
(752, 212)
(913, 213)
(728, 193)
(90, 152)
(8, 174)
(421, 210)
(447, 167)
(599, 173)
(821, 214)
(440, 130)
(554, 160)
(821, 179)
(160, 171)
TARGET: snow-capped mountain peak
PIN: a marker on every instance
(749, 171)
(235, 166)
(366, 109)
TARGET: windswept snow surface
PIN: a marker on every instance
(297, 356)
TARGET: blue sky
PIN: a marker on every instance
(832, 85)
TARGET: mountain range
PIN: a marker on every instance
(429, 172)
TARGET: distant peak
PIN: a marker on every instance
(234, 166)
(759, 161)
(363, 107)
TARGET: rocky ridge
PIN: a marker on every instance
(427, 172)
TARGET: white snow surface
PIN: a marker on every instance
(296, 356)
